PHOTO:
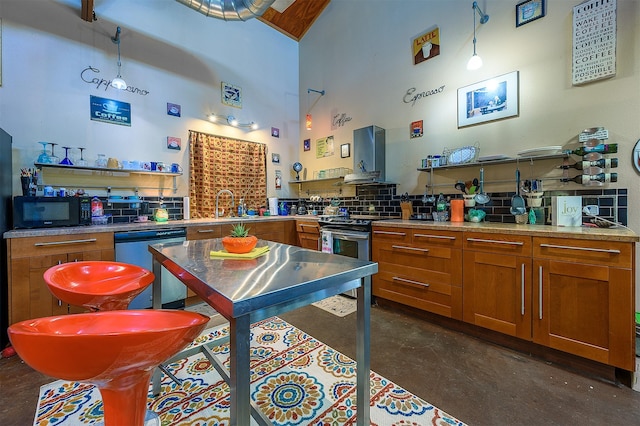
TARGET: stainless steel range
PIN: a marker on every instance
(347, 237)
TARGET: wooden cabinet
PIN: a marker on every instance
(583, 298)
(308, 231)
(271, 231)
(203, 232)
(497, 282)
(30, 257)
(419, 268)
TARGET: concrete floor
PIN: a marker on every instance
(477, 382)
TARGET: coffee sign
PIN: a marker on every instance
(594, 41)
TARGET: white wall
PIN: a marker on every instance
(359, 53)
(175, 53)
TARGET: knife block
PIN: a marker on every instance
(407, 209)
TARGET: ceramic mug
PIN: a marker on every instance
(154, 166)
(175, 168)
(113, 163)
(160, 167)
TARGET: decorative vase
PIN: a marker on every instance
(239, 245)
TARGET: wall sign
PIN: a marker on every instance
(324, 147)
(89, 75)
(231, 95)
(426, 45)
(411, 97)
(110, 111)
(339, 119)
(594, 41)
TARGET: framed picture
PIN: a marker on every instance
(275, 158)
(529, 10)
(416, 130)
(488, 100)
(275, 132)
(173, 109)
(173, 143)
(307, 144)
(345, 150)
(231, 95)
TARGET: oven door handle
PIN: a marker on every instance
(349, 237)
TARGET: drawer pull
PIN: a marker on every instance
(404, 280)
(540, 292)
(522, 289)
(443, 237)
(60, 243)
(205, 231)
(411, 248)
(402, 234)
(581, 248)
(510, 243)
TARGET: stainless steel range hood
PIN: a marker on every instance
(368, 156)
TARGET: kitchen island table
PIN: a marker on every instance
(248, 290)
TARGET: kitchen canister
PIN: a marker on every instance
(457, 210)
(273, 206)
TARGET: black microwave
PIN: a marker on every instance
(45, 212)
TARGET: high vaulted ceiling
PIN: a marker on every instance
(295, 19)
(290, 17)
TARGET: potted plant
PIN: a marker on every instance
(239, 240)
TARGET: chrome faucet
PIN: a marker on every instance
(222, 191)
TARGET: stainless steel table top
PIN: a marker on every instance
(235, 287)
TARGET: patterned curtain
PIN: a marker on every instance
(218, 163)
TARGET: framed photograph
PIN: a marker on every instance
(488, 100)
(275, 158)
(173, 109)
(173, 143)
(275, 132)
(231, 95)
(345, 150)
(416, 130)
(307, 144)
(529, 10)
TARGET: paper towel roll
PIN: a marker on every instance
(273, 206)
(185, 208)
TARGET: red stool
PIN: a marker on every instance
(97, 285)
(114, 350)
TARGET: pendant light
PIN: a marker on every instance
(309, 119)
(475, 61)
(118, 82)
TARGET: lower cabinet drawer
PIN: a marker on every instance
(393, 283)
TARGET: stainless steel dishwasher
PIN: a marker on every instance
(132, 248)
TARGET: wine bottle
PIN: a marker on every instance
(611, 148)
(603, 163)
(588, 179)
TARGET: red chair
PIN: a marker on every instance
(116, 351)
(97, 285)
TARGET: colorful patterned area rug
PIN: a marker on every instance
(295, 380)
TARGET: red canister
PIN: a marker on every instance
(457, 210)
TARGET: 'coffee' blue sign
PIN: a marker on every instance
(110, 111)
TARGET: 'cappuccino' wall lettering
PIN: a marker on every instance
(88, 76)
(412, 98)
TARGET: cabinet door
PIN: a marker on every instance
(497, 292)
(497, 283)
(308, 234)
(586, 310)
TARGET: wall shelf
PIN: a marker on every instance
(112, 172)
(316, 180)
(499, 161)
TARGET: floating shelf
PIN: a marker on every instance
(104, 169)
(499, 161)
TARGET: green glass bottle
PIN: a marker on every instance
(611, 148)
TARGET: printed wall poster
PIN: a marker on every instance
(324, 147)
(307, 144)
(110, 111)
(426, 46)
(416, 130)
(231, 95)
(173, 109)
(174, 143)
(488, 100)
(594, 41)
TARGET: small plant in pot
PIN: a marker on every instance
(239, 241)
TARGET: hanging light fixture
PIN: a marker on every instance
(230, 120)
(309, 119)
(118, 82)
(475, 61)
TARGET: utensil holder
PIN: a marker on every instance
(521, 219)
(469, 200)
(534, 199)
(407, 209)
